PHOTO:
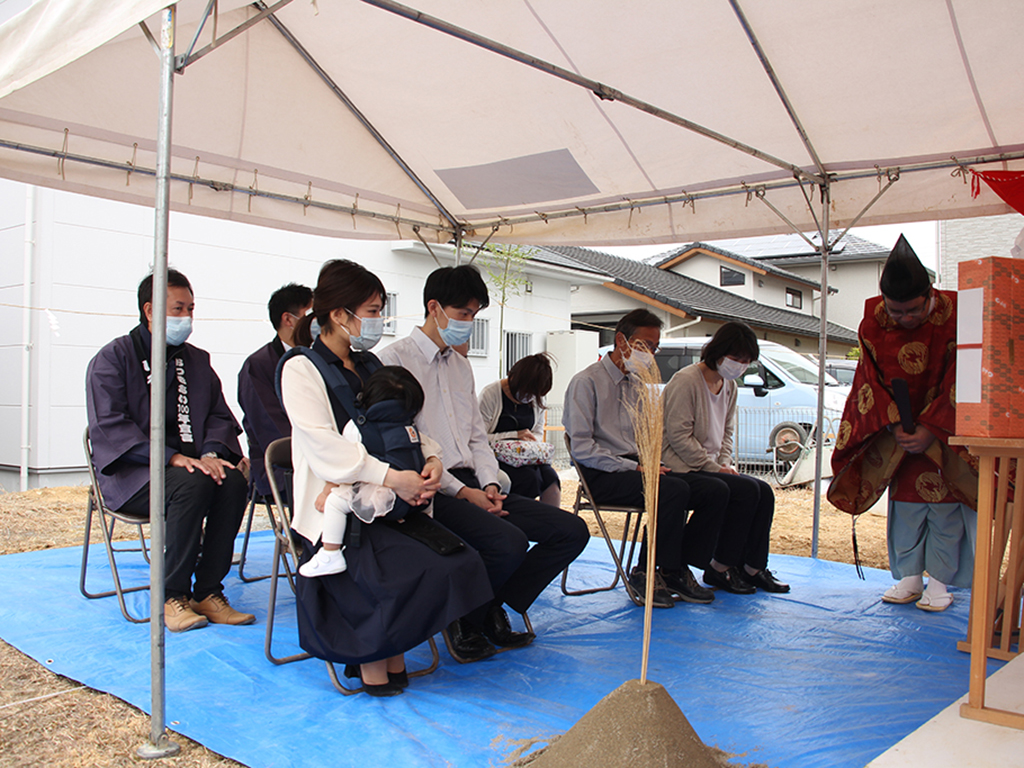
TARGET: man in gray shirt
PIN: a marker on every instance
(598, 423)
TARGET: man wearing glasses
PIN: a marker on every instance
(597, 421)
(909, 333)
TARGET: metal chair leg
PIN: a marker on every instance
(271, 604)
(253, 502)
(112, 551)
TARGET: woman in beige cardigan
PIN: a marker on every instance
(700, 418)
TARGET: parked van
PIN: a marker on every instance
(777, 399)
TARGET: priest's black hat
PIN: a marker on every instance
(904, 277)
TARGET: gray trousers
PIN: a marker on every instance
(937, 538)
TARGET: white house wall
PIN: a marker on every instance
(963, 239)
(91, 255)
(708, 270)
(12, 243)
(857, 282)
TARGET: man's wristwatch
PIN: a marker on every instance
(210, 455)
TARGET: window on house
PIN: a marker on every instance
(391, 314)
(794, 298)
(478, 341)
(517, 346)
(732, 277)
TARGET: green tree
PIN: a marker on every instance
(504, 268)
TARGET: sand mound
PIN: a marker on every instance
(637, 724)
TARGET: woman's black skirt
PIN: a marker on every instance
(395, 594)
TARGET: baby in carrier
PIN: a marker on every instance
(391, 399)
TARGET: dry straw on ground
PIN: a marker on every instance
(49, 720)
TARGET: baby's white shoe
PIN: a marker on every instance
(324, 563)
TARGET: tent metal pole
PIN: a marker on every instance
(26, 333)
(159, 744)
(371, 129)
(190, 58)
(894, 176)
(575, 212)
(602, 91)
(825, 248)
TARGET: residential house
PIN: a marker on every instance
(855, 266)
(692, 307)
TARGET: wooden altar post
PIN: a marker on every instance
(992, 595)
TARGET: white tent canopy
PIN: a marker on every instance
(536, 121)
(478, 139)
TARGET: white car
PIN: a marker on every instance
(777, 399)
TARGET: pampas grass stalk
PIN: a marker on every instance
(646, 412)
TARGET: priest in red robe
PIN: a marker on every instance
(909, 333)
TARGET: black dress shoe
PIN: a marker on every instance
(498, 630)
(390, 688)
(731, 580)
(466, 643)
(662, 597)
(765, 579)
(401, 679)
(681, 583)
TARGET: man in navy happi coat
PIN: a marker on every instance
(265, 420)
(201, 480)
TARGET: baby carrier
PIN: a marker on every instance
(387, 430)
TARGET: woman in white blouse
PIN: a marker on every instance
(396, 591)
(700, 419)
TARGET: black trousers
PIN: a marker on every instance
(559, 537)
(679, 541)
(749, 505)
(189, 549)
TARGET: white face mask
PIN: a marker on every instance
(457, 332)
(730, 369)
(178, 330)
(639, 360)
(370, 331)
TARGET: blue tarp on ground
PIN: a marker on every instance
(825, 676)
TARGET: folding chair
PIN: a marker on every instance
(279, 454)
(105, 514)
(585, 500)
(255, 498)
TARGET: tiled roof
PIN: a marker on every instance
(793, 250)
(697, 298)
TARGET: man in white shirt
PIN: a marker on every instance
(470, 503)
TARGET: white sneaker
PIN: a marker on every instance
(324, 563)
